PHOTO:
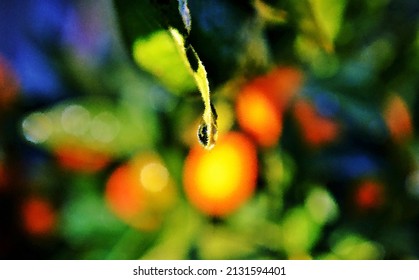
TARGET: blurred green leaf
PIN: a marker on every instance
(86, 222)
(279, 171)
(158, 54)
(178, 236)
(299, 232)
(322, 64)
(355, 247)
(327, 17)
(221, 243)
(319, 23)
(321, 205)
(270, 13)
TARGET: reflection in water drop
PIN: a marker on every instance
(37, 127)
(154, 177)
(75, 120)
(207, 135)
(104, 127)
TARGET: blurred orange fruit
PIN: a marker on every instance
(398, 120)
(38, 216)
(219, 181)
(259, 116)
(261, 103)
(141, 192)
(316, 130)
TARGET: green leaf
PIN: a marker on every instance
(328, 17)
(320, 20)
(85, 218)
(177, 236)
(158, 55)
(319, 23)
(221, 242)
(355, 247)
(300, 232)
(321, 205)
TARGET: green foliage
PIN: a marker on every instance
(299, 231)
(319, 22)
(159, 55)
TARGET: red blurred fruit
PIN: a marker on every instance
(38, 216)
(315, 129)
(369, 194)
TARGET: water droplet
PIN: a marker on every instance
(207, 137)
(203, 134)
